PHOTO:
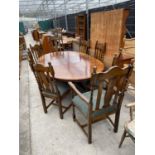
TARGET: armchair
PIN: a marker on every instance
(98, 104)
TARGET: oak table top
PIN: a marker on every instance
(71, 65)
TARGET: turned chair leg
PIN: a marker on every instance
(89, 132)
(44, 104)
(74, 115)
(60, 108)
(122, 139)
(116, 120)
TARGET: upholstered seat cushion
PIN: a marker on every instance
(62, 87)
(77, 101)
(130, 128)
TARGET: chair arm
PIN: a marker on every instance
(129, 105)
(73, 87)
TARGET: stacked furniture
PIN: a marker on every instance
(81, 26)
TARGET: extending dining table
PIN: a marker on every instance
(71, 65)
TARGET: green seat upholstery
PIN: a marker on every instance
(62, 87)
(77, 101)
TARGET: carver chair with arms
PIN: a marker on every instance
(99, 104)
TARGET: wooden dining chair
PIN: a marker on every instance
(129, 127)
(84, 46)
(37, 50)
(120, 60)
(31, 59)
(35, 35)
(100, 50)
(50, 88)
(53, 42)
(99, 104)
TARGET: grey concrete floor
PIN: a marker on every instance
(47, 134)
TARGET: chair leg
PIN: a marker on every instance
(60, 108)
(117, 115)
(74, 115)
(44, 103)
(89, 132)
(122, 139)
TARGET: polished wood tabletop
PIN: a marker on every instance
(71, 65)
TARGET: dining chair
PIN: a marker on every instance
(48, 44)
(98, 104)
(50, 88)
(120, 61)
(53, 42)
(84, 46)
(100, 50)
(31, 59)
(129, 127)
(35, 35)
(37, 50)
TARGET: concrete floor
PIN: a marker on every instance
(47, 134)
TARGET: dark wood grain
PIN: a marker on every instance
(48, 88)
(105, 102)
(71, 65)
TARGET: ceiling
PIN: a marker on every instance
(55, 8)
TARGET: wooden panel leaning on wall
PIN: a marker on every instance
(108, 27)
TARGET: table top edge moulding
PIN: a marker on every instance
(71, 65)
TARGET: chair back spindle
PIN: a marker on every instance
(84, 46)
(100, 50)
(46, 78)
(118, 79)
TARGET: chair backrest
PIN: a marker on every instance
(31, 59)
(117, 82)
(119, 61)
(53, 43)
(100, 50)
(34, 54)
(37, 50)
(84, 46)
(45, 78)
(35, 35)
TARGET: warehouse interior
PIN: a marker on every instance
(64, 37)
